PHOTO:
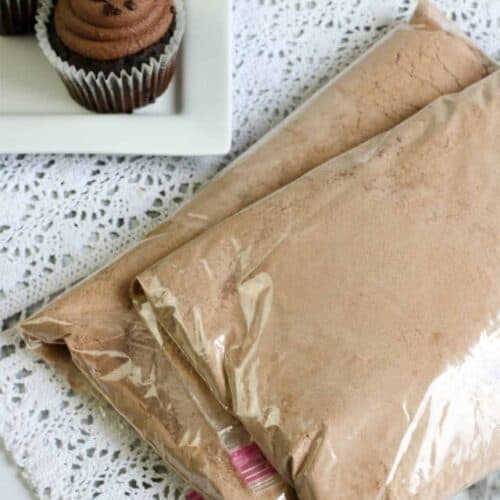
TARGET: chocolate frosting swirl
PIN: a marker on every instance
(110, 29)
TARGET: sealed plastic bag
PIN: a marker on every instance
(172, 409)
(153, 388)
(355, 313)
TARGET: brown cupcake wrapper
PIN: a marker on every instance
(102, 97)
(120, 92)
(17, 16)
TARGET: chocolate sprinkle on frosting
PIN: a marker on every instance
(112, 66)
(107, 30)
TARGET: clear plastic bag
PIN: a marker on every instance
(351, 319)
(405, 71)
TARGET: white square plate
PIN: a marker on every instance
(192, 118)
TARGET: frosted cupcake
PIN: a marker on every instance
(113, 55)
(17, 16)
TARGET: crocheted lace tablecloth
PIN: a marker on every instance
(61, 217)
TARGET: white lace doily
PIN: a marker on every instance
(62, 217)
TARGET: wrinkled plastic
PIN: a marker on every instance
(355, 313)
(169, 405)
(150, 385)
(395, 79)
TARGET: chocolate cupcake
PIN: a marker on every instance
(17, 16)
(112, 55)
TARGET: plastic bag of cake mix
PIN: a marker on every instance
(171, 408)
(151, 386)
(351, 320)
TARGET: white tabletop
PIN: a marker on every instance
(13, 486)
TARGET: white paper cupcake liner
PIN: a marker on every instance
(114, 92)
(17, 16)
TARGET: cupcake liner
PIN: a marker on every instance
(17, 16)
(119, 92)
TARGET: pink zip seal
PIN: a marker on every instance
(252, 466)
